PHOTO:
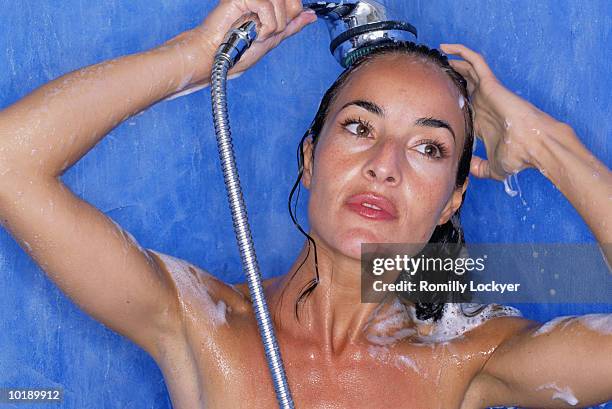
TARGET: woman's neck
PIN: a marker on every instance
(332, 315)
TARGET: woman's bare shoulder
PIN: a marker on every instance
(473, 323)
(199, 292)
(493, 326)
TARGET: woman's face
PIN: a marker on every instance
(396, 130)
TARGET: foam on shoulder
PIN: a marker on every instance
(194, 293)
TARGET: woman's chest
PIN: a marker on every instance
(224, 368)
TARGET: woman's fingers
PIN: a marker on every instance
(266, 13)
(295, 25)
(478, 62)
(464, 68)
(294, 8)
(480, 167)
(280, 12)
(277, 15)
(467, 71)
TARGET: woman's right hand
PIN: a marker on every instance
(278, 19)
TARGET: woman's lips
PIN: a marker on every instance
(363, 204)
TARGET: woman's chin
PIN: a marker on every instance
(349, 242)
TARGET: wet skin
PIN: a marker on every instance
(330, 358)
(201, 331)
(217, 361)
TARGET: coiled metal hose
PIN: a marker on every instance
(237, 41)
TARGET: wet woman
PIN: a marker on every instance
(387, 161)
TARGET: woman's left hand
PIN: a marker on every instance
(509, 125)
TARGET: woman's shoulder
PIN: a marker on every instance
(492, 323)
(200, 293)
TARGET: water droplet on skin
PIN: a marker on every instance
(461, 102)
(536, 131)
(507, 124)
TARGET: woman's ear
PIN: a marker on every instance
(307, 148)
(453, 203)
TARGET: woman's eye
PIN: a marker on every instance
(430, 149)
(359, 129)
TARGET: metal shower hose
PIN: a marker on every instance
(223, 62)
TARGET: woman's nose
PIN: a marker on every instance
(383, 166)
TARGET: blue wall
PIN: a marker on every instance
(554, 53)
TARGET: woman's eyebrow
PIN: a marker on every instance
(378, 110)
(435, 123)
(367, 105)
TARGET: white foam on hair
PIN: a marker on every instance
(461, 101)
(459, 318)
(189, 280)
(564, 394)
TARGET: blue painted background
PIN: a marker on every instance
(157, 174)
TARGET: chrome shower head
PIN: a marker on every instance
(357, 26)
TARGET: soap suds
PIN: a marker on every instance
(601, 323)
(190, 282)
(383, 355)
(564, 394)
(461, 101)
(406, 361)
(508, 186)
(459, 318)
(390, 326)
(547, 327)
(392, 338)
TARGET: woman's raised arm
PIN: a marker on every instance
(95, 262)
(517, 135)
(566, 361)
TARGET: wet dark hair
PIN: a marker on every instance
(449, 233)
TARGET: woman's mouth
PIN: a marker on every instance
(372, 206)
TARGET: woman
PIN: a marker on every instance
(396, 136)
